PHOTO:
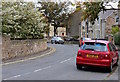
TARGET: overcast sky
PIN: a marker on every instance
(114, 3)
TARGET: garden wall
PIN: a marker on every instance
(14, 48)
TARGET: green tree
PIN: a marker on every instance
(91, 10)
(22, 20)
(116, 33)
(117, 38)
(115, 30)
(56, 13)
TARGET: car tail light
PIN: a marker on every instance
(79, 54)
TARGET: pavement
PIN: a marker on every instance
(59, 65)
(116, 73)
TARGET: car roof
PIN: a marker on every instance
(98, 41)
(56, 37)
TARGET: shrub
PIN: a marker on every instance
(22, 20)
(117, 38)
(75, 37)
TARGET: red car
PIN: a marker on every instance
(97, 53)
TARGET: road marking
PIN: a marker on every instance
(53, 50)
(42, 69)
(17, 76)
(37, 70)
(12, 77)
(66, 60)
(27, 73)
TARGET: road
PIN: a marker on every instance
(59, 65)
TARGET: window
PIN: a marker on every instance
(83, 27)
(94, 46)
(114, 48)
(117, 19)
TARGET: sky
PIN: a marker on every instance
(114, 4)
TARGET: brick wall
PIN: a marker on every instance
(13, 48)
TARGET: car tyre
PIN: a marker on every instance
(55, 42)
(117, 63)
(79, 67)
(110, 67)
(62, 43)
(51, 42)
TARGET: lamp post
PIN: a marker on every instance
(87, 27)
(80, 30)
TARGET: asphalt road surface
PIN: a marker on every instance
(59, 65)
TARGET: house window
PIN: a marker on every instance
(62, 34)
(117, 19)
(83, 27)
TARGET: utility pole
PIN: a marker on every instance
(80, 30)
(101, 28)
(87, 27)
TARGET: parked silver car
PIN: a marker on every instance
(57, 40)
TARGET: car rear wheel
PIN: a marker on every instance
(51, 42)
(62, 43)
(117, 63)
(110, 67)
(79, 67)
(56, 42)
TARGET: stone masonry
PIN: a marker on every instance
(14, 48)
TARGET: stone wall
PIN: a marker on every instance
(13, 48)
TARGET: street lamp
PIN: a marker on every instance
(87, 27)
(80, 30)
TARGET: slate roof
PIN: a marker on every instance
(105, 14)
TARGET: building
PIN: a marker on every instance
(105, 22)
(102, 27)
(86, 31)
(74, 24)
(61, 31)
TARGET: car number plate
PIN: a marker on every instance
(92, 56)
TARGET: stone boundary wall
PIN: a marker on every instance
(14, 48)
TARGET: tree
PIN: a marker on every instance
(55, 13)
(22, 20)
(91, 11)
(115, 30)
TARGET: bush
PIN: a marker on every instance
(117, 38)
(75, 37)
(22, 20)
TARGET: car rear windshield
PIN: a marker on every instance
(94, 46)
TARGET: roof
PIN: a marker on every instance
(106, 14)
(99, 41)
